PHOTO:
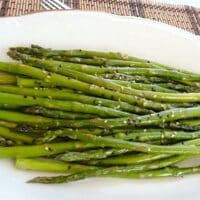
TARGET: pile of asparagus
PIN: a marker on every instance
(87, 113)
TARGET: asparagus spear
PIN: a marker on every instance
(138, 136)
(91, 154)
(102, 61)
(42, 150)
(4, 142)
(143, 86)
(41, 52)
(158, 96)
(57, 113)
(135, 146)
(34, 83)
(63, 81)
(91, 60)
(49, 165)
(117, 55)
(59, 67)
(7, 124)
(7, 79)
(156, 119)
(139, 158)
(6, 133)
(179, 87)
(154, 135)
(120, 173)
(71, 106)
(26, 122)
(134, 78)
(129, 159)
(71, 96)
(36, 50)
(12, 117)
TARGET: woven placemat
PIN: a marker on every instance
(185, 17)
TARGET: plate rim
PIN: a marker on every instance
(114, 16)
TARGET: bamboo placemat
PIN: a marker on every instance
(184, 17)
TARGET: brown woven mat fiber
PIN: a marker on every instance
(185, 17)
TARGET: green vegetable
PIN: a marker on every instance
(49, 165)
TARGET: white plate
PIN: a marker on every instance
(98, 31)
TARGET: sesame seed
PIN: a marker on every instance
(173, 135)
(57, 123)
(117, 107)
(47, 148)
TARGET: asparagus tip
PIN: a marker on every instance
(13, 54)
(36, 46)
(47, 180)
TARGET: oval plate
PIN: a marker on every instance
(98, 31)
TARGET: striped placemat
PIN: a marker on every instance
(185, 17)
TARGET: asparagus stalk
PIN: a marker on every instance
(57, 113)
(41, 52)
(139, 158)
(6, 133)
(49, 165)
(71, 96)
(42, 150)
(26, 122)
(135, 146)
(134, 78)
(33, 83)
(70, 106)
(138, 136)
(36, 50)
(130, 159)
(120, 173)
(63, 81)
(143, 86)
(12, 117)
(91, 60)
(156, 119)
(155, 135)
(102, 62)
(91, 154)
(7, 124)
(59, 67)
(7, 79)
(158, 96)
(147, 120)
(4, 142)
(119, 56)
(178, 87)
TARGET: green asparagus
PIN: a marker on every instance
(49, 165)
